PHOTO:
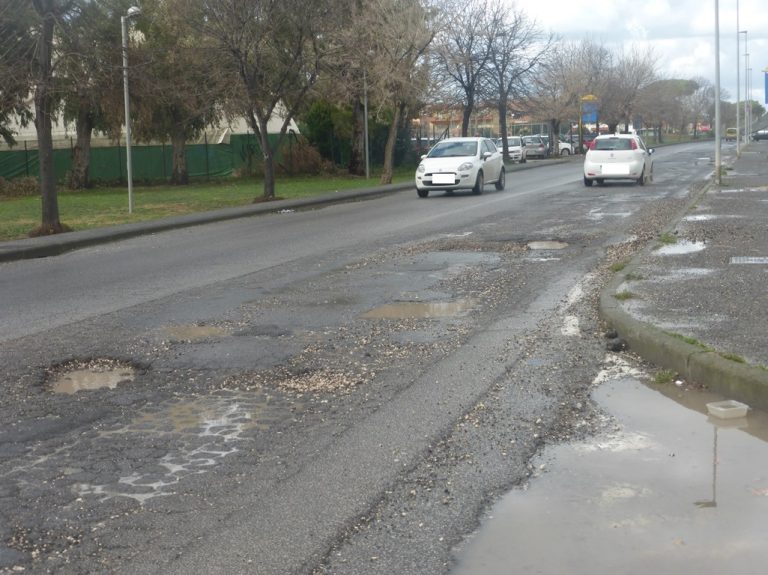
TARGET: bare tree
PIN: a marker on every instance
(274, 48)
(464, 47)
(631, 72)
(517, 50)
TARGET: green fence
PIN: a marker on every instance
(150, 163)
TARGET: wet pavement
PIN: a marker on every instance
(665, 489)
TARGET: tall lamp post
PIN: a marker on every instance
(738, 81)
(365, 127)
(718, 175)
(133, 12)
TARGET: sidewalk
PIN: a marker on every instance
(699, 306)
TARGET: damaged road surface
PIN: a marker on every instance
(343, 390)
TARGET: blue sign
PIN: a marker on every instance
(589, 112)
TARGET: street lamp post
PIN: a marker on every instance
(738, 81)
(718, 175)
(365, 126)
(133, 12)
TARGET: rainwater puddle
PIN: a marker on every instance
(682, 247)
(86, 379)
(420, 310)
(672, 491)
(547, 245)
(699, 218)
(195, 332)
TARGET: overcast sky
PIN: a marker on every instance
(681, 32)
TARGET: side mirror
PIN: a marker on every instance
(423, 156)
(486, 155)
(650, 151)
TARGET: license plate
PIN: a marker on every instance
(616, 169)
(443, 178)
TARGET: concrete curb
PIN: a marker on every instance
(731, 379)
(61, 243)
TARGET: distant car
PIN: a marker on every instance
(460, 164)
(760, 135)
(731, 134)
(564, 147)
(536, 147)
(516, 147)
(618, 157)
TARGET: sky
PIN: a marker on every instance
(681, 33)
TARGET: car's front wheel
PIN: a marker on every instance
(565, 152)
(479, 184)
(422, 193)
(502, 179)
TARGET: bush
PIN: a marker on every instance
(19, 187)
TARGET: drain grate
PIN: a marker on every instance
(749, 260)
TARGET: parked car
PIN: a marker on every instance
(618, 157)
(564, 147)
(535, 147)
(760, 135)
(516, 148)
(460, 164)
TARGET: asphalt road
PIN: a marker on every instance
(340, 390)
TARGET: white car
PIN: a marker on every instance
(516, 148)
(618, 157)
(460, 164)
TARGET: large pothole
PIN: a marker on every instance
(89, 375)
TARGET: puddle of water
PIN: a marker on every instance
(755, 260)
(674, 491)
(547, 245)
(419, 310)
(85, 379)
(194, 332)
(699, 218)
(680, 248)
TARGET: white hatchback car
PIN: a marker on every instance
(618, 157)
(515, 146)
(460, 164)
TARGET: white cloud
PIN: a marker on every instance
(682, 33)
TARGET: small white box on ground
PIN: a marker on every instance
(728, 409)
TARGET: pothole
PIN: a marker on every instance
(547, 245)
(680, 248)
(419, 310)
(192, 333)
(90, 375)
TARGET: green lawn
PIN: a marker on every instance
(101, 207)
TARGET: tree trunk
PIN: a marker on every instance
(554, 136)
(357, 154)
(179, 171)
(259, 126)
(43, 116)
(79, 178)
(389, 148)
(465, 118)
(503, 126)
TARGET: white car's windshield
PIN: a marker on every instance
(613, 144)
(453, 150)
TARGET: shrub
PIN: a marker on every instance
(19, 187)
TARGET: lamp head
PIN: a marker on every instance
(133, 11)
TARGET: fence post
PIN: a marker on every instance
(26, 158)
(207, 167)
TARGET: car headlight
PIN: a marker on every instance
(465, 167)
(421, 169)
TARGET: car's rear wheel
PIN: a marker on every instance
(502, 180)
(479, 184)
(565, 152)
(422, 193)
(587, 182)
(600, 181)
